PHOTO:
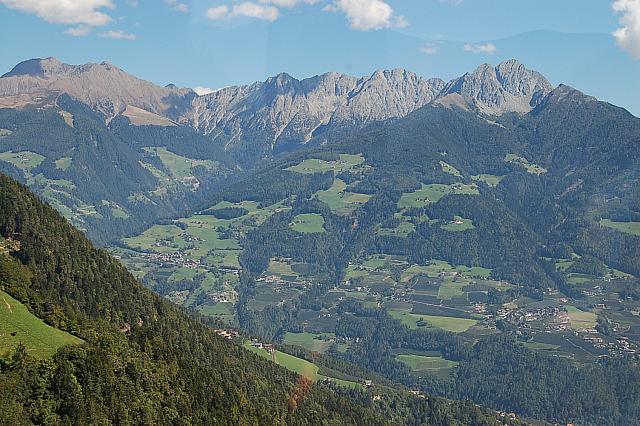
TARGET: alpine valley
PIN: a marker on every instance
(393, 249)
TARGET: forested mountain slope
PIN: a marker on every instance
(143, 361)
(440, 250)
(108, 180)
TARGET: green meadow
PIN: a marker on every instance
(579, 318)
(529, 167)
(432, 193)
(310, 341)
(308, 223)
(18, 325)
(491, 180)
(455, 325)
(426, 364)
(632, 228)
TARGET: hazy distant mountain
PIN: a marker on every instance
(104, 87)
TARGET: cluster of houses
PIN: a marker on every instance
(260, 345)
(560, 319)
(172, 259)
(228, 296)
(227, 334)
(278, 283)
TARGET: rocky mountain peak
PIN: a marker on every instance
(103, 86)
(508, 87)
(43, 68)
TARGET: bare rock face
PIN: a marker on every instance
(509, 87)
(104, 87)
(284, 110)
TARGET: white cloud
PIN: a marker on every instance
(628, 35)
(203, 90)
(246, 9)
(177, 5)
(429, 49)
(218, 12)
(79, 31)
(253, 10)
(367, 15)
(288, 3)
(118, 35)
(488, 48)
(69, 12)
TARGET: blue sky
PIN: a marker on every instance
(216, 43)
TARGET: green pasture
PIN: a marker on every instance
(308, 223)
(18, 325)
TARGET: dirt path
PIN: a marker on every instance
(8, 305)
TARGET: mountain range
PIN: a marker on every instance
(281, 113)
(476, 239)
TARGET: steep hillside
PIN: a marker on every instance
(108, 180)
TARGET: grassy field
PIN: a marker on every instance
(310, 341)
(541, 346)
(290, 362)
(427, 364)
(458, 224)
(17, 325)
(491, 180)
(448, 168)
(223, 311)
(529, 167)
(450, 289)
(437, 267)
(341, 201)
(24, 160)
(308, 223)
(63, 163)
(314, 165)
(432, 193)
(579, 278)
(402, 230)
(300, 366)
(180, 167)
(580, 319)
(632, 228)
(455, 325)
